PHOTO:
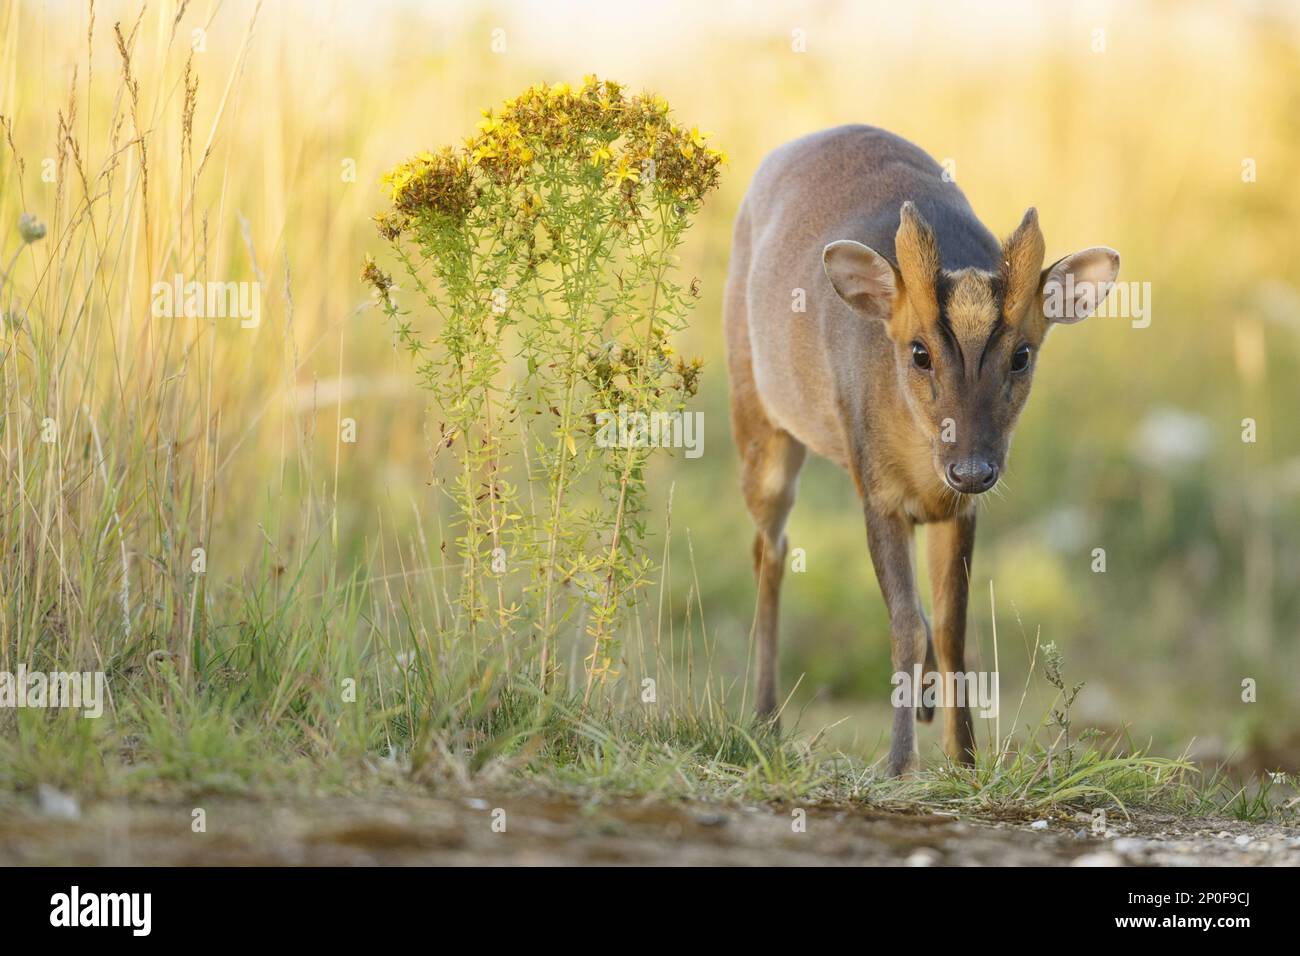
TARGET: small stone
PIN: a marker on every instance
(1127, 845)
(1099, 858)
(54, 803)
(922, 857)
(1038, 825)
(711, 819)
(1243, 840)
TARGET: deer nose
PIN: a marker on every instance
(972, 476)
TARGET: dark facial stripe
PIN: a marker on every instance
(943, 290)
(998, 285)
(998, 330)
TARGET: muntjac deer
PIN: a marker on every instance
(871, 318)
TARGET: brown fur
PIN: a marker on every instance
(889, 256)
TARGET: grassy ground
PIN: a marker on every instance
(311, 656)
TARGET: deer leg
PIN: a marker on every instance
(889, 536)
(924, 712)
(772, 459)
(950, 545)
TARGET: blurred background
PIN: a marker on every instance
(1170, 131)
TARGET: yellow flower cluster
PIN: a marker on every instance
(631, 139)
(439, 181)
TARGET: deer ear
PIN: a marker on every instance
(1074, 287)
(918, 260)
(1022, 263)
(862, 277)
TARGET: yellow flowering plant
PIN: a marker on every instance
(544, 250)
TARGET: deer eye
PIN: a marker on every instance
(920, 356)
(1020, 358)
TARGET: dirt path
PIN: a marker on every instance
(544, 830)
